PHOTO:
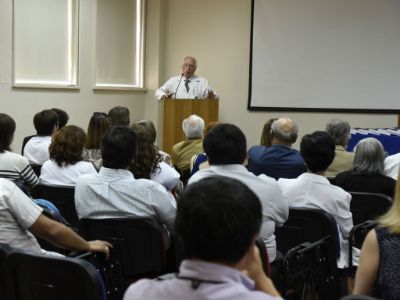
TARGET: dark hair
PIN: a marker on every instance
(62, 117)
(98, 125)
(147, 156)
(118, 147)
(67, 145)
(225, 144)
(45, 121)
(265, 139)
(150, 128)
(217, 219)
(7, 129)
(318, 150)
(119, 116)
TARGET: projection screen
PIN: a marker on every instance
(325, 55)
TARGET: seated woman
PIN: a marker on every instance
(151, 131)
(65, 164)
(367, 172)
(98, 125)
(379, 265)
(148, 162)
(12, 165)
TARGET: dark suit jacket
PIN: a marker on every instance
(277, 161)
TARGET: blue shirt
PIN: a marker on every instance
(277, 161)
(232, 285)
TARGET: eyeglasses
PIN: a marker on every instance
(189, 66)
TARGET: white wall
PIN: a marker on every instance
(217, 32)
(22, 104)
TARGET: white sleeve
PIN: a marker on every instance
(166, 88)
(166, 175)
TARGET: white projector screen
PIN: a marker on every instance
(325, 55)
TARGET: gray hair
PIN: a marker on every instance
(193, 127)
(285, 130)
(369, 157)
(339, 131)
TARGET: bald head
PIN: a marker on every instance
(284, 131)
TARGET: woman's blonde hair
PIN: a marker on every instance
(391, 219)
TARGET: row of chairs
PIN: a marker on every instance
(310, 241)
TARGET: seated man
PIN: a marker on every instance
(279, 160)
(225, 146)
(114, 192)
(218, 220)
(182, 152)
(20, 217)
(313, 190)
(37, 148)
(339, 131)
(119, 116)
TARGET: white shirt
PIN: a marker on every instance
(52, 174)
(16, 167)
(37, 149)
(198, 88)
(166, 176)
(275, 207)
(392, 166)
(115, 193)
(17, 214)
(314, 191)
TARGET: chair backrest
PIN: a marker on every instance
(40, 277)
(307, 225)
(4, 251)
(311, 268)
(62, 197)
(368, 206)
(138, 242)
(357, 236)
(37, 169)
(358, 297)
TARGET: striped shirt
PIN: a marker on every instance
(16, 167)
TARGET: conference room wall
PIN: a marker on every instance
(23, 103)
(217, 32)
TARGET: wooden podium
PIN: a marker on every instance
(176, 110)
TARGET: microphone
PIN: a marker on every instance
(179, 83)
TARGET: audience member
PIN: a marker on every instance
(151, 131)
(114, 192)
(182, 152)
(187, 85)
(62, 117)
(339, 131)
(218, 220)
(377, 273)
(98, 125)
(313, 190)
(199, 161)
(367, 174)
(37, 148)
(119, 116)
(65, 164)
(392, 163)
(12, 165)
(148, 162)
(225, 146)
(20, 217)
(279, 160)
(265, 139)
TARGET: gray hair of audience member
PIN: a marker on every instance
(369, 157)
(285, 130)
(193, 127)
(339, 131)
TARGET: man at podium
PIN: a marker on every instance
(187, 85)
